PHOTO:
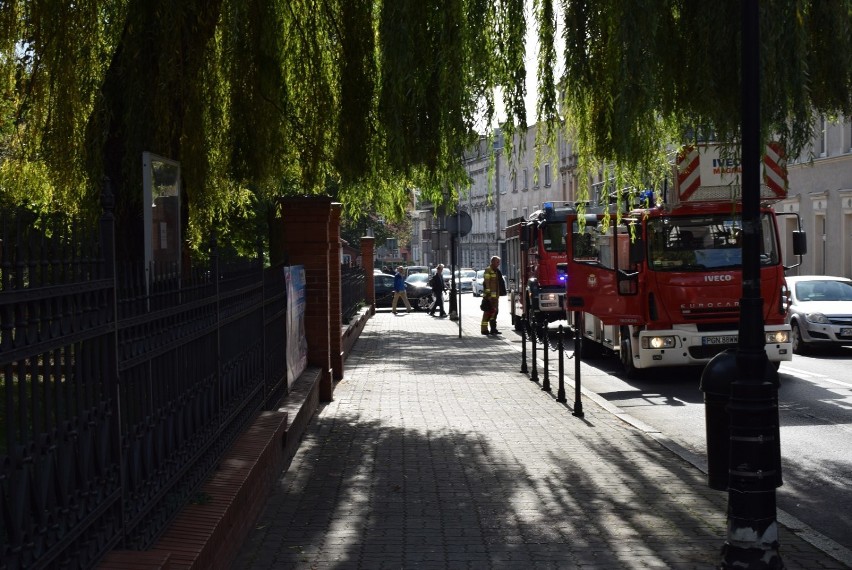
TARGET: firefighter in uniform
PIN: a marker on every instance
(491, 297)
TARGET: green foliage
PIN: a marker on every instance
(266, 98)
(640, 76)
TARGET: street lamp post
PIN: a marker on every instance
(754, 469)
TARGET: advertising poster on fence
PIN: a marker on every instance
(297, 344)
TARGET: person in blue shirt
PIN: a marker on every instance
(399, 290)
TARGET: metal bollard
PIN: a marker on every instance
(560, 393)
(523, 345)
(578, 349)
(534, 374)
(545, 343)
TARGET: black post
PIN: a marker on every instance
(578, 350)
(755, 460)
(454, 315)
(560, 392)
(523, 345)
(545, 345)
(534, 374)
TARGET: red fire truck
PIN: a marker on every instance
(662, 287)
(536, 265)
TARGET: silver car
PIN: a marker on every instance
(477, 284)
(820, 311)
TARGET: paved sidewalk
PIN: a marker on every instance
(438, 453)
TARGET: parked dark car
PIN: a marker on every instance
(416, 287)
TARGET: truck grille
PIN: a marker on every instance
(701, 352)
(707, 313)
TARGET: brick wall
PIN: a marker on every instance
(335, 348)
(305, 234)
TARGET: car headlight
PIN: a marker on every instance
(817, 318)
(777, 337)
(657, 342)
(549, 297)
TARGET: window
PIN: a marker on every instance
(514, 181)
(514, 213)
(552, 237)
(526, 179)
(547, 175)
(822, 137)
(699, 243)
(525, 213)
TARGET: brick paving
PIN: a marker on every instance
(438, 453)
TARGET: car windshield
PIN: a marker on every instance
(696, 243)
(823, 290)
(417, 278)
(480, 274)
(466, 273)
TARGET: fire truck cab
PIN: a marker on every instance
(537, 264)
(662, 287)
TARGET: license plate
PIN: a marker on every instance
(730, 339)
(845, 332)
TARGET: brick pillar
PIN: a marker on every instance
(304, 228)
(368, 245)
(335, 323)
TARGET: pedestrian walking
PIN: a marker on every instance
(492, 287)
(438, 288)
(399, 290)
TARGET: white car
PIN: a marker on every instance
(476, 286)
(820, 311)
(464, 279)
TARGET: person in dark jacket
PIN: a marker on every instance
(438, 288)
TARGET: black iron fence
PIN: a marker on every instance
(120, 389)
(353, 291)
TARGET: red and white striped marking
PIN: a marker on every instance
(688, 173)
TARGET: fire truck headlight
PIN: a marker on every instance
(777, 337)
(658, 342)
(817, 318)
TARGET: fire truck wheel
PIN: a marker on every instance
(517, 322)
(625, 353)
(540, 331)
(589, 349)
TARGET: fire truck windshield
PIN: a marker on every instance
(553, 238)
(699, 243)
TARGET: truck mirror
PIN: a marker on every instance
(591, 220)
(800, 243)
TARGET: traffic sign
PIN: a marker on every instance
(459, 224)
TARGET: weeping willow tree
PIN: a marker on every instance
(255, 98)
(263, 98)
(643, 75)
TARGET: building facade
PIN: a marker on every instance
(820, 192)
